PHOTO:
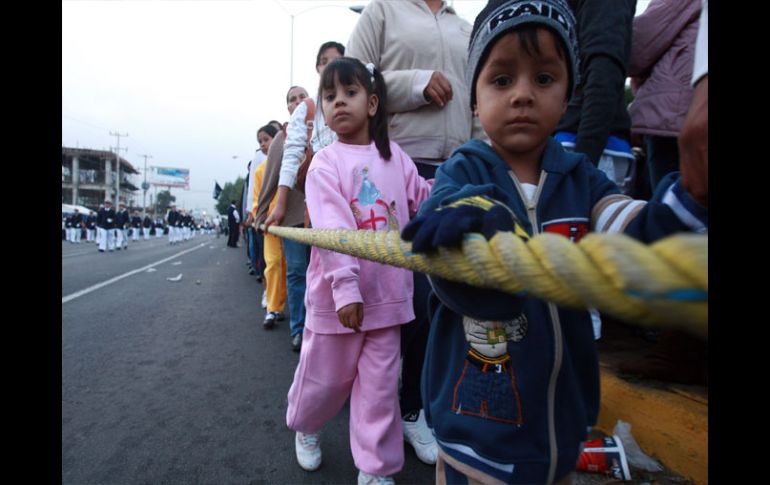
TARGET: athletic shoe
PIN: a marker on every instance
(264, 299)
(417, 434)
(296, 342)
(308, 450)
(369, 479)
(269, 320)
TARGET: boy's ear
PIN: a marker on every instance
(374, 102)
(476, 110)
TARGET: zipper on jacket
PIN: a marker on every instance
(556, 325)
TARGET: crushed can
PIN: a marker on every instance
(605, 455)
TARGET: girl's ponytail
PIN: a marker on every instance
(378, 124)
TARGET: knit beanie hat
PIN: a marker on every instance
(501, 16)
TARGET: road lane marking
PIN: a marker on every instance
(95, 287)
(151, 243)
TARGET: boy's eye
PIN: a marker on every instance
(502, 81)
(544, 79)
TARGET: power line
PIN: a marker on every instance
(84, 122)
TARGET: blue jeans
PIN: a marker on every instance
(297, 259)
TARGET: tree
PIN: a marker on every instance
(231, 191)
(164, 201)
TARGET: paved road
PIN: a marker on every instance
(177, 382)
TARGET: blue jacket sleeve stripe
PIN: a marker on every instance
(686, 209)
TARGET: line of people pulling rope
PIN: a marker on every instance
(489, 386)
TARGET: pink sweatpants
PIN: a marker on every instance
(365, 367)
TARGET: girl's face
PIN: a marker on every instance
(327, 56)
(264, 141)
(347, 109)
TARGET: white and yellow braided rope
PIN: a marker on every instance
(663, 284)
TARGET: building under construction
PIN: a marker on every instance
(89, 177)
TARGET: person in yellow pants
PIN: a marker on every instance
(275, 280)
(275, 263)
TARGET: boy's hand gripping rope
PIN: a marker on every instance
(663, 284)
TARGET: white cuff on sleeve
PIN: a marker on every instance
(421, 80)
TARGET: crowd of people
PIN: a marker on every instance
(436, 128)
(111, 230)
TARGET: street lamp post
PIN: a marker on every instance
(145, 186)
(355, 8)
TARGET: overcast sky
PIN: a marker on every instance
(192, 81)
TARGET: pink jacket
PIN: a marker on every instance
(350, 186)
(662, 49)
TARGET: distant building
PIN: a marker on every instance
(88, 177)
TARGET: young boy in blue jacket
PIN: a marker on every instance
(510, 383)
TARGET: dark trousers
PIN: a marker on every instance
(662, 157)
(414, 335)
(251, 247)
(232, 237)
(414, 340)
(257, 241)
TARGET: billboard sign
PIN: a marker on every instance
(169, 177)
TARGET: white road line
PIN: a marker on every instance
(70, 255)
(80, 293)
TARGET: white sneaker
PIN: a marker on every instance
(308, 449)
(417, 434)
(369, 479)
(264, 299)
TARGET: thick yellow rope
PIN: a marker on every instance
(663, 284)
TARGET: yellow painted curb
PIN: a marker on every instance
(671, 427)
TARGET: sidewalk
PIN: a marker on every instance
(669, 421)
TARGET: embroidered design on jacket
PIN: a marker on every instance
(486, 387)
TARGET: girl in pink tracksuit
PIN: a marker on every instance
(351, 342)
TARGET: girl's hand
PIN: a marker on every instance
(351, 316)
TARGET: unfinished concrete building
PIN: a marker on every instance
(88, 177)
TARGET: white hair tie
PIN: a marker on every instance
(370, 68)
